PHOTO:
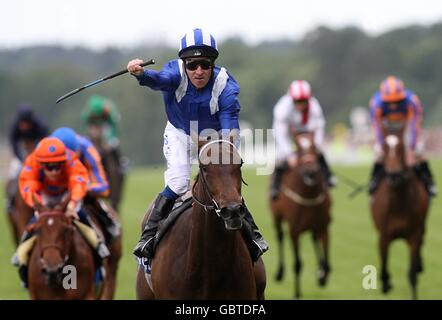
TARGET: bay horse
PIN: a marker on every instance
(111, 164)
(204, 255)
(60, 244)
(399, 208)
(304, 202)
(115, 246)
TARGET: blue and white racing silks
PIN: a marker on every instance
(216, 106)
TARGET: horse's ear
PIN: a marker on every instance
(194, 138)
(402, 130)
(234, 136)
(38, 206)
(294, 133)
(203, 141)
(64, 202)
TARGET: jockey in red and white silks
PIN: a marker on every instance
(297, 111)
(287, 118)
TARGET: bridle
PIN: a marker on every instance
(303, 160)
(53, 213)
(215, 206)
(396, 177)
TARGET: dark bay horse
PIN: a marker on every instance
(115, 246)
(19, 217)
(111, 164)
(59, 248)
(18, 213)
(204, 256)
(399, 208)
(304, 202)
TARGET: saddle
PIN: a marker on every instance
(182, 204)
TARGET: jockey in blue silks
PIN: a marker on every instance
(195, 91)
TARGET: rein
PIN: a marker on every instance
(308, 202)
(50, 213)
(206, 207)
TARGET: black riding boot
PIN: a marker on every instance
(277, 179)
(330, 178)
(424, 173)
(160, 211)
(376, 175)
(23, 274)
(111, 226)
(257, 245)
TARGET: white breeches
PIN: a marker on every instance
(177, 151)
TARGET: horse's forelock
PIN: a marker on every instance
(305, 143)
(392, 140)
(218, 151)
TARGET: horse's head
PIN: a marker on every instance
(95, 131)
(394, 157)
(307, 161)
(219, 181)
(54, 236)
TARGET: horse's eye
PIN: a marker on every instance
(204, 169)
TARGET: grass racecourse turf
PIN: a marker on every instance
(353, 243)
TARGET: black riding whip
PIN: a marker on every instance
(67, 95)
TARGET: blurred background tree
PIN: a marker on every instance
(344, 67)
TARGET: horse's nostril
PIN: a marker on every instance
(234, 207)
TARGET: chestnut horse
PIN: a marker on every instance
(399, 208)
(59, 250)
(304, 202)
(204, 255)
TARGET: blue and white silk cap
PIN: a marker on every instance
(198, 43)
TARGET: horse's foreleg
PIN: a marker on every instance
(111, 270)
(384, 242)
(143, 291)
(415, 263)
(322, 255)
(298, 263)
(280, 238)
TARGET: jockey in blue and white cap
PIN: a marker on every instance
(198, 96)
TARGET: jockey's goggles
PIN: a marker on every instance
(301, 101)
(52, 166)
(192, 65)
